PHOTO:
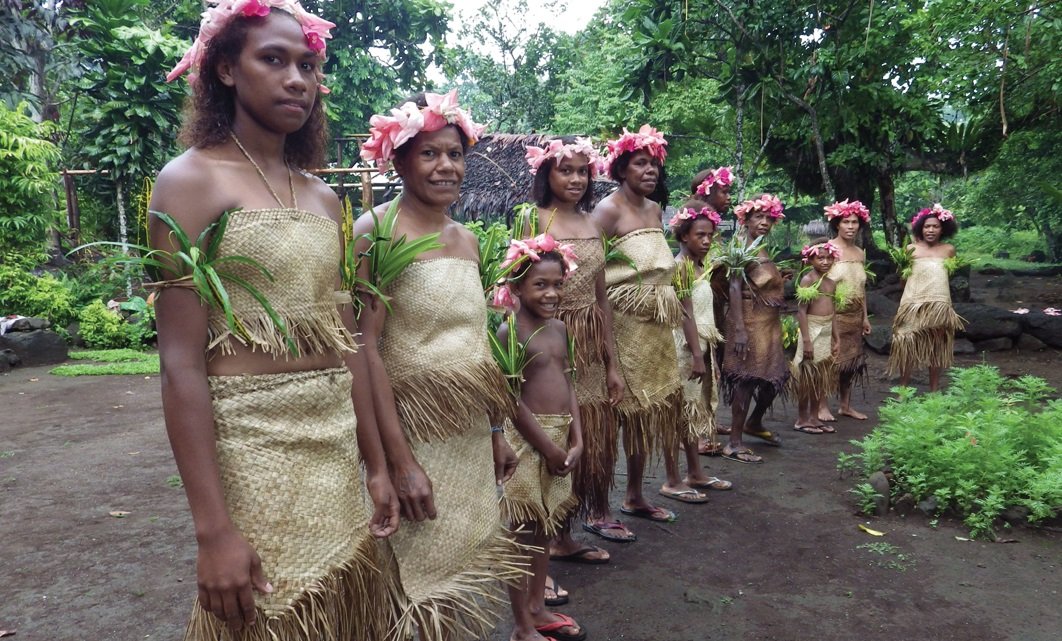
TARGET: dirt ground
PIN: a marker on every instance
(779, 557)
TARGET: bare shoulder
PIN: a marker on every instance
(457, 236)
(319, 191)
(558, 326)
(364, 223)
(606, 214)
(949, 250)
(189, 190)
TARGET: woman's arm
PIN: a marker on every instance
(741, 336)
(613, 381)
(693, 342)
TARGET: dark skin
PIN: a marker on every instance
(929, 246)
(547, 389)
(432, 169)
(275, 79)
(807, 408)
(626, 210)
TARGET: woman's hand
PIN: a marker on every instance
(698, 370)
(615, 385)
(575, 451)
(741, 342)
(505, 460)
(557, 461)
(229, 571)
(384, 521)
(809, 350)
(372, 316)
(866, 327)
(414, 492)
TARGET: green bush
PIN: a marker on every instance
(27, 179)
(987, 241)
(985, 444)
(22, 292)
(101, 328)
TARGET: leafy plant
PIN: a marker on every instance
(903, 257)
(27, 179)
(684, 278)
(736, 256)
(985, 444)
(790, 331)
(101, 327)
(511, 355)
(615, 255)
(22, 292)
(955, 263)
(493, 243)
(866, 496)
(113, 362)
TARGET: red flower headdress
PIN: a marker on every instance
(556, 149)
(388, 133)
(646, 138)
(530, 249)
(722, 176)
(767, 203)
(810, 251)
(686, 213)
(936, 211)
(844, 209)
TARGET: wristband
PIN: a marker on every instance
(496, 428)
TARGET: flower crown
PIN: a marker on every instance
(844, 209)
(646, 138)
(686, 213)
(766, 203)
(721, 176)
(810, 251)
(388, 133)
(556, 149)
(215, 18)
(530, 249)
(936, 211)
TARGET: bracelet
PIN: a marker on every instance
(496, 428)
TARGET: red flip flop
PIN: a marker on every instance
(565, 622)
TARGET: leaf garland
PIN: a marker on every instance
(684, 277)
(511, 355)
(736, 257)
(903, 257)
(954, 264)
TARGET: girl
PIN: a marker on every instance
(814, 368)
(563, 192)
(261, 430)
(754, 367)
(546, 433)
(923, 332)
(846, 221)
(694, 227)
(431, 360)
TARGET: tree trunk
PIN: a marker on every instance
(739, 138)
(887, 188)
(123, 232)
(1053, 242)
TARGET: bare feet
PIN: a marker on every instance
(826, 415)
(848, 411)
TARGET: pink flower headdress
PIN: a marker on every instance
(936, 211)
(646, 138)
(387, 133)
(215, 18)
(767, 203)
(844, 209)
(686, 213)
(810, 251)
(556, 149)
(721, 176)
(530, 249)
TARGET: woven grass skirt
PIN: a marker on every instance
(533, 494)
(817, 376)
(287, 451)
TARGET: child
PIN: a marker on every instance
(694, 227)
(546, 433)
(265, 437)
(923, 332)
(430, 359)
(814, 368)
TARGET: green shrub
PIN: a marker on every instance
(27, 179)
(101, 328)
(987, 241)
(985, 444)
(23, 292)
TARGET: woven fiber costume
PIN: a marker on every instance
(533, 495)
(923, 332)
(645, 309)
(592, 478)
(287, 443)
(435, 349)
(851, 355)
(764, 364)
(700, 398)
(818, 375)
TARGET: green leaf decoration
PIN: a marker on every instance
(903, 257)
(511, 355)
(572, 369)
(493, 244)
(954, 264)
(807, 295)
(843, 296)
(615, 255)
(684, 278)
(736, 257)
(525, 216)
(790, 330)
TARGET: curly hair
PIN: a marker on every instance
(543, 195)
(524, 266)
(948, 228)
(684, 227)
(210, 111)
(420, 101)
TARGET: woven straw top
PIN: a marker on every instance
(704, 311)
(580, 290)
(928, 282)
(852, 273)
(650, 252)
(301, 251)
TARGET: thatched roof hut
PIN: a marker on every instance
(497, 178)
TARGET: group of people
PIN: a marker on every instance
(343, 449)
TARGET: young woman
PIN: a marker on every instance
(923, 332)
(645, 309)
(846, 221)
(434, 365)
(263, 431)
(754, 368)
(563, 193)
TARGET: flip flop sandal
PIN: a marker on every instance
(603, 530)
(828, 429)
(710, 449)
(554, 629)
(650, 514)
(735, 455)
(722, 429)
(557, 598)
(768, 437)
(580, 556)
(685, 496)
(713, 483)
(809, 429)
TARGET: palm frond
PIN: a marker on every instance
(683, 279)
(511, 355)
(903, 257)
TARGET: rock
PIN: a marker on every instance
(904, 505)
(963, 346)
(960, 285)
(1046, 328)
(984, 322)
(1000, 344)
(1001, 254)
(880, 306)
(8, 359)
(37, 347)
(928, 506)
(1016, 514)
(1036, 256)
(39, 323)
(880, 484)
(879, 340)
(21, 325)
(992, 270)
(74, 329)
(1029, 343)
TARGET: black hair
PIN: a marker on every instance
(525, 265)
(543, 195)
(835, 223)
(684, 226)
(210, 111)
(421, 101)
(948, 228)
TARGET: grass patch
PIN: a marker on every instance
(891, 557)
(110, 362)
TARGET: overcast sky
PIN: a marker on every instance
(570, 20)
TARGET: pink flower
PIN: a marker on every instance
(647, 138)
(1051, 311)
(556, 149)
(720, 176)
(843, 209)
(767, 203)
(256, 8)
(503, 298)
(1020, 310)
(810, 251)
(936, 211)
(686, 213)
(314, 41)
(388, 133)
